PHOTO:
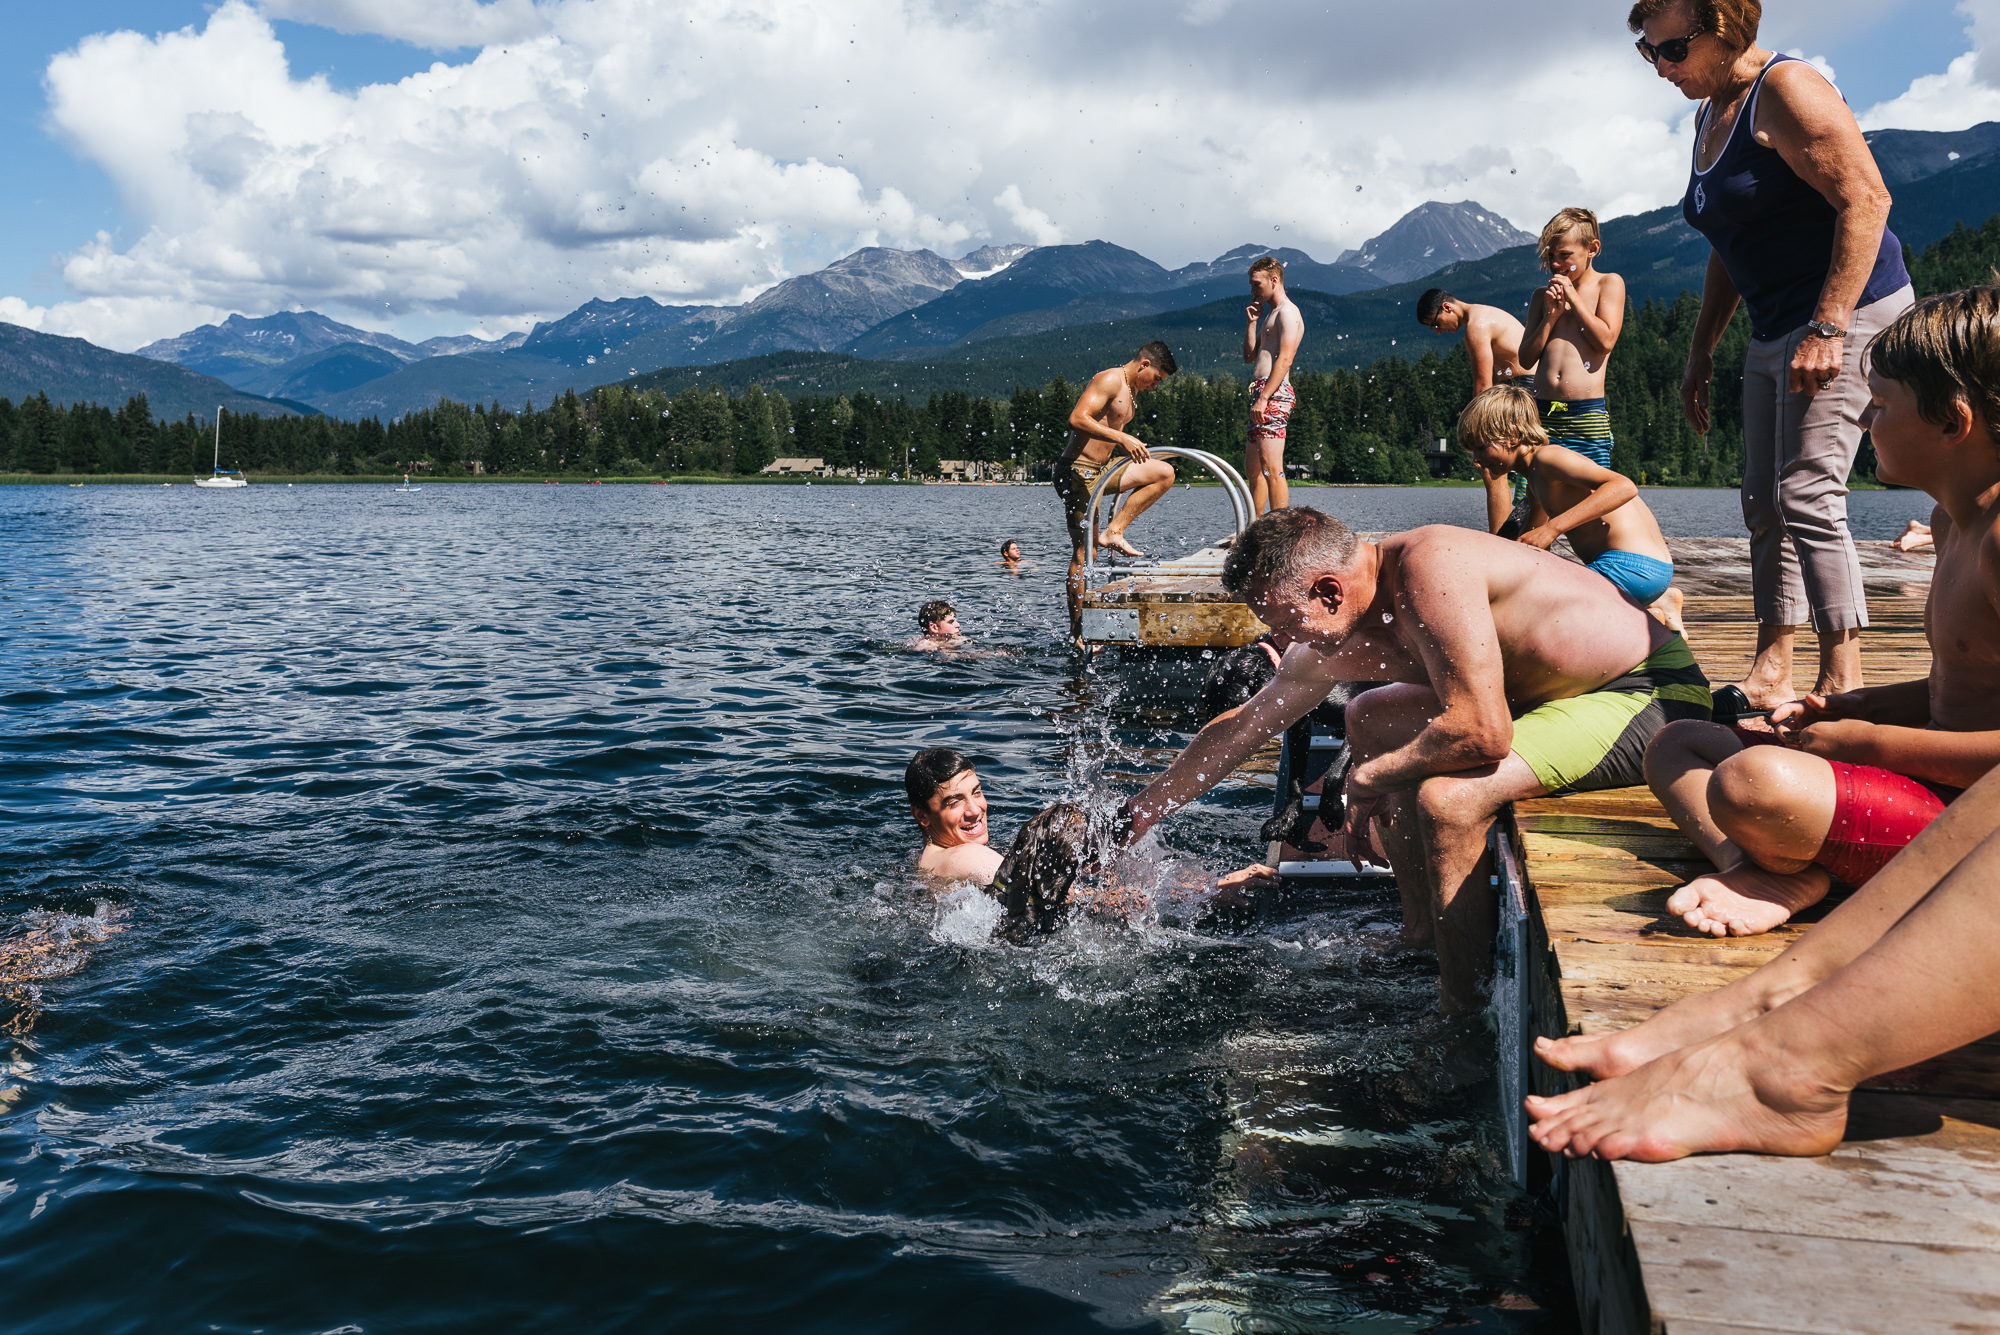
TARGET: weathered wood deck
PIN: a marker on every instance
(1897, 1230)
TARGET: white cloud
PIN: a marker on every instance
(698, 153)
(1950, 101)
(1031, 223)
(441, 25)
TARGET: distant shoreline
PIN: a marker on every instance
(374, 479)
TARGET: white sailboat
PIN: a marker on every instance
(221, 479)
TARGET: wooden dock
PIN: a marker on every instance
(1898, 1229)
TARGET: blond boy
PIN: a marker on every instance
(1573, 324)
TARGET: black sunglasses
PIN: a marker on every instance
(1674, 50)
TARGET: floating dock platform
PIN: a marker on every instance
(1897, 1230)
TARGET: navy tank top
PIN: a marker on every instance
(1773, 232)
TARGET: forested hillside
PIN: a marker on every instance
(1368, 424)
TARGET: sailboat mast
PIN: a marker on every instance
(218, 438)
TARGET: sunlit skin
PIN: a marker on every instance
(1270, 342)
(1573, 324)
(1473, 630)
(955, 832)
(1097, 432)
(1803, 118)
(942, 634)
(1493, 343)
(1898, 974)
(1760, 813)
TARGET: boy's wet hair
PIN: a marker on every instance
(1160, 355)
(1501, 415)
(1269, 264)
(1734, 21)
(930, 770)
(1431, 305)
(1035, 877)
(1005, 545)
(1281, 547)
(1560, 226)
(933, 612)
(1947, 350)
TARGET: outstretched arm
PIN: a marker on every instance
(1304, 677)
(1609, 490)
(1096, 397)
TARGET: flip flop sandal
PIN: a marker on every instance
(1731, 705)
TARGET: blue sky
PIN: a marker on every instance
(1322, 142)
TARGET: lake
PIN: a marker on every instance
(490, 908)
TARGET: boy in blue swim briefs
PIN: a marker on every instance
(1599, 511)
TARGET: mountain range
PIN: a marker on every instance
(897, 318)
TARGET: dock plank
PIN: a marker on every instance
(1899, 1228)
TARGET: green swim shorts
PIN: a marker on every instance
(1074, 480)
(1598, 740)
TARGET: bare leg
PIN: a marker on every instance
(1457, 812)
(1758, 813)
(1379, 721)
(1839, 662)
(1818, 955)
(1143, 484)
(1779, 1083)
(1667, 608)
(1769, 683)
(1270, 463)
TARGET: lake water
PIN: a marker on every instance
(489, 908)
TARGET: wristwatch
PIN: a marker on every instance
(1825, 329)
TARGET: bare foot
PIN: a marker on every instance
(1693, 1019)
(1915, 535)
(1117, 543)
(1747, 899)
(1667, 607)
(1726, 1095)
(1766, 695)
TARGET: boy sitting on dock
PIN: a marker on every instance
(1513, 674)
(1573, 324)
(1609, 528)
(1846, 781)
(1097, 432)
(1493, 346)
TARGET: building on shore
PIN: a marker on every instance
(798, 467)
(972, 470)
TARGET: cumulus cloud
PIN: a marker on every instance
(700, 153)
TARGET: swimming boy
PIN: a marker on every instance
(1096, 432)
(1270, 342)
(940, 626)
(1010, 554)
(1609, 528)
(1513, 674)
(1573, 324)
(1848, 780)
(1493, 345)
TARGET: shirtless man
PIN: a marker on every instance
(1270, 342)
(1493, 343)
(1516, 674)
(1096, 432)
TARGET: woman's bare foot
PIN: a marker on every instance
(1693, 1019)
(1747, 899)
(1726, 1095)
(1667, 607)
(1117, 543)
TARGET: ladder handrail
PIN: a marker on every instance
(1232, 481)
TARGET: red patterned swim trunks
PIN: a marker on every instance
(1276, 413)
(1876, 814)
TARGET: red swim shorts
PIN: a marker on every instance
(1277, 412)
(1876, 813)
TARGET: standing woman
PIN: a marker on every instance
(1796, 214)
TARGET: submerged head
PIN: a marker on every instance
(1570, 242)
(946, 800)
(1035, 877)
(938, 618)
(1438, 309)
(1499, 426)
(1298, 571)
(1934, 383)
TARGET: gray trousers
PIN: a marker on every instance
(1797, 450)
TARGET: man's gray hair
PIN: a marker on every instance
(1285, 547)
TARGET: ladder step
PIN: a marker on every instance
(1323, 743)
(1329, 869)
